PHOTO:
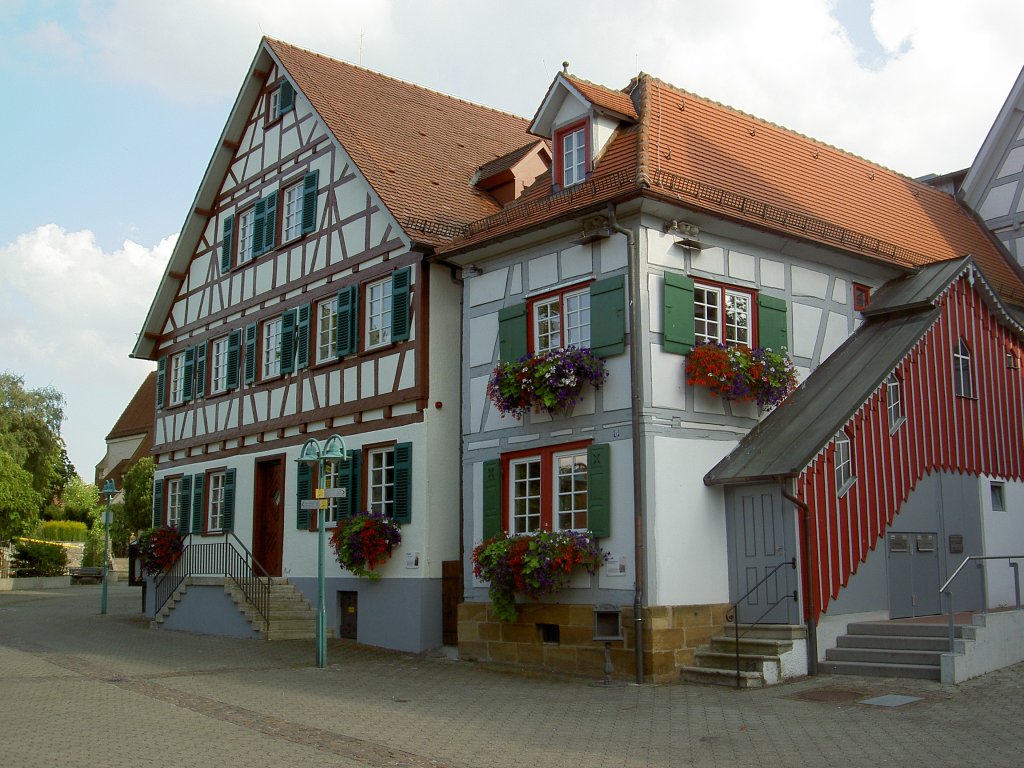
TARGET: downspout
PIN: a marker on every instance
(636, 401)
(805, 557)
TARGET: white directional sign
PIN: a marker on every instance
(336, 493)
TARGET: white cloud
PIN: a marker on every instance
(70, 314)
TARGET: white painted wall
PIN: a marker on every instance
(1002, 534)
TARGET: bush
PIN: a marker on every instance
(62, 530)
(37, 558)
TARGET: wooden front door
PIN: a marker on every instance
(268, 515)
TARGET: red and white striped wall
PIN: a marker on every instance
(942, 433)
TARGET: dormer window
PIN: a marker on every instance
(571, 153)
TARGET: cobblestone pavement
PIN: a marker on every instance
(81, 689)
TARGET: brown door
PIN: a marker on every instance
(348, 615)
(451, 596)
(268, 515)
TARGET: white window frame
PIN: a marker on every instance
(997, 494)
(274, 105)
(715, 313)
(565, 501)
(573, 146)
(215, 501)
(332, 479)
(963, 372)
(174, 502)
(894, 402)
(326, 329)
(292, 228)
(219, 365)
(271, 357)
(378, 314)
(246, 229)
(380, 480)
(561, 320)
(525, 494)
(844, 463)
(178, 379)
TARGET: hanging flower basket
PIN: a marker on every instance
(159, 549)
(740, 374)
(549, 381)
(533, 565)
(365, 541)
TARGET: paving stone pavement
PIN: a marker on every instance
(82, 689)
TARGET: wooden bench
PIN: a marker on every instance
(86, 574)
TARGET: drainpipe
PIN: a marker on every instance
(636, 380)
(805, 556)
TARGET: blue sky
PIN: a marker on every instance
(112, 109)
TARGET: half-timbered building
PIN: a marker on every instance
(298, 304)
(668, 220)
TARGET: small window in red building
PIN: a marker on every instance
(861, 297)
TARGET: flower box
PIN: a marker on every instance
(159, 549)
(365, 541)
(740, 374)
(547, 382)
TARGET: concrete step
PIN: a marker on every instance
(884, 656)
(725, 660)
(752, 645)
(900, 642)
(724, 677)
(912, 671)
(903, 629)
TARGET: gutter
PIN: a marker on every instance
(639, 454)
(805, 558)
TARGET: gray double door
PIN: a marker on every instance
(762, 541)
(913, 574)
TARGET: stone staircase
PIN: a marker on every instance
(766, 652)
(291, 617)
(892, 649)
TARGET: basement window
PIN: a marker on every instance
(548, 633)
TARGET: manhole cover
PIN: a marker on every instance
(829, 695)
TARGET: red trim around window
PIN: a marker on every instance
(559, 152)
(546, 478)
(722, 288)
(861, 297)
(531, 336)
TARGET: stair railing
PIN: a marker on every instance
(229, 558)
(732, 616)
(945, 588)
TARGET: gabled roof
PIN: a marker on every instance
(507, 162)
(137, 416)
(1001, 134)
(603, 100)
(789, 437)
(712, 158)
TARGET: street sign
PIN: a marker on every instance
(318, 493)
(310, 504)
(336, 493)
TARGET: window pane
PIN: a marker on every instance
(380, 481)
(215, 511)
(293, 212)
(577, 319)
(327, 330)
(219, 376)
(245, 231)
(547, 325)
(272, 348)
(705, 314)
(737, 318)
(378, 314)
(525, 496)
(571, 491)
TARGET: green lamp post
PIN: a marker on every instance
(109, 491)
(313, 453)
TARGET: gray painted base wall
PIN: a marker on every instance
(209, 611)
(402, 614)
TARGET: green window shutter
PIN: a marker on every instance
(184, 504)
(161, 382)
(285, 98)
(512, 333)
(250, 353)
(678, 328)
(188, 373)
(771, 322)
(200, 390)
(303, 490)
(348, 320)
(348, 476)
(599, 499)
(259, 213)
(198, 484)
(288, 341)
(234, 342)
(158, 503)
(270, 222)
(302, 337)
(400, 304)
(492, 498)
(310, 183)
(227, 245)
(403, 483)
(608, 316)
(229, 500)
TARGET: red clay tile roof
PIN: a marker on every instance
(599, 96)
(504, 163)
(417, 148)
(137, 416)
(710, 157)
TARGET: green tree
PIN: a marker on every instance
(138, 495)
(19, 502)
(79, 499)
(30, 433)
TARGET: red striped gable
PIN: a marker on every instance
(942, 432)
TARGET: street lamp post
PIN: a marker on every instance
(312, 453)
(109, 491)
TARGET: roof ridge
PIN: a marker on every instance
(375, 73)
(571, 77)
(643, 141)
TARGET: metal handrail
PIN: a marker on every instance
(229, 558)
(945, 590)
(732, 615)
